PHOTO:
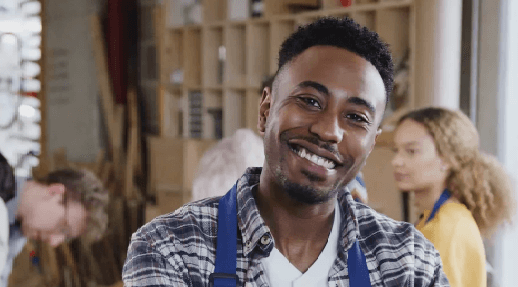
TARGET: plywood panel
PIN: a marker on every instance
(233, 111)
(253, 98)
(258, 53)
(392, 26)
(235, 65)
(192, 59)
(212, 40)
(381, 187)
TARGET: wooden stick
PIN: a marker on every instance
(99, 161)
(103, 78)
(117, 145)
(70, 261)
(92, 262)
(108, 250)
(120, 227)
(132, 143)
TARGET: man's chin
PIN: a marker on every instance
(308, 193)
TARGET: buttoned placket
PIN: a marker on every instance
(256, 268)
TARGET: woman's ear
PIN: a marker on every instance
(264, 110)
(444, 166)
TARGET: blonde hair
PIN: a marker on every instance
(81, 185)
(477, 179)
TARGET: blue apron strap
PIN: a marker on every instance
(442, 199)
(226, 250)
(357, 267)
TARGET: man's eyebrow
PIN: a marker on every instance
(324, 90)
(362, 102)
(311, 84)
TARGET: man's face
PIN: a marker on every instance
(321, 121)
(49, 220)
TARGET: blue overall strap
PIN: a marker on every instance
(226, 250)
(444, 197)
(357, 267)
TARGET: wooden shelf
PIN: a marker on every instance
(220, 57)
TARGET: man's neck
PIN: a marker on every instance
(300, 230)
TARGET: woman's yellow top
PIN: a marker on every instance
(454, 232)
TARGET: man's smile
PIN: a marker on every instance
(316, 165)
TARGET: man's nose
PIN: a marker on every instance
(327, 128)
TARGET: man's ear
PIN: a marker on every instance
(264, 110)
(378, 133)
(56, 189)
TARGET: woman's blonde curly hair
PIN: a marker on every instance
(477, 179)
(81, 185)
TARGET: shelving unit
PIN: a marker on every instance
(228, 60)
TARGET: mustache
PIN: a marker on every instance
(332, 148)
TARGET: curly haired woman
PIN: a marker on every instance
(462, 193)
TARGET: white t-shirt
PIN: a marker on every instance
(281, 273)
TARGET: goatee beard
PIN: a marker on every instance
(304, 193)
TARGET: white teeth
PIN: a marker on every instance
(316, 159)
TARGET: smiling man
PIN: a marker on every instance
(296, 222)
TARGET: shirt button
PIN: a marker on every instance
(265, 240)
(248, 244)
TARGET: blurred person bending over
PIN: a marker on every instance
(461, 192)
(293, 222)
(62, 205)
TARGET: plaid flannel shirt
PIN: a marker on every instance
(179, 248)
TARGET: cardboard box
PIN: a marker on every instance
(172, 167)
(152, 211)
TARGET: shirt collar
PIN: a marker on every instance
(249, 220)
(252, 225)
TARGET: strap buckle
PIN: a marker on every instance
(214, 275)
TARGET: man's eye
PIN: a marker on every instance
(311, 102)
(411, 151)
(357, 118)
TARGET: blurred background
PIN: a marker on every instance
(138, 90)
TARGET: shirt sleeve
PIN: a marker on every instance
(146, 266)
(439, 277)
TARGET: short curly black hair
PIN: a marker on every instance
(342, 33)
